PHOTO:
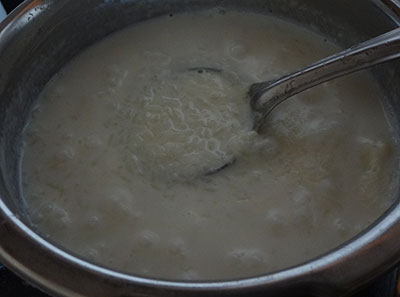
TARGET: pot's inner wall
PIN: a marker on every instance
(36, 46)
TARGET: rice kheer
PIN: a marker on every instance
(117, 150)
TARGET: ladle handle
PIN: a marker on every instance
(266, 96)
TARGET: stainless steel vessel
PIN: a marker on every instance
(38, 38)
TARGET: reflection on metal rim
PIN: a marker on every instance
(394, 5)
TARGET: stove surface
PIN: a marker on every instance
(13, 286)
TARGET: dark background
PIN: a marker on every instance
(12, 286)
(8, 6)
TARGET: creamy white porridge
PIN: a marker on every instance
(119, 146)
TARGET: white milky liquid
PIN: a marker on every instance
(118, 148)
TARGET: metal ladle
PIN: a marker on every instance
(265, 96)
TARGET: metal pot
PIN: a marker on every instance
(41, 36)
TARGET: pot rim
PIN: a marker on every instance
(374, 250)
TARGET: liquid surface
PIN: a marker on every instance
(117, 151)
